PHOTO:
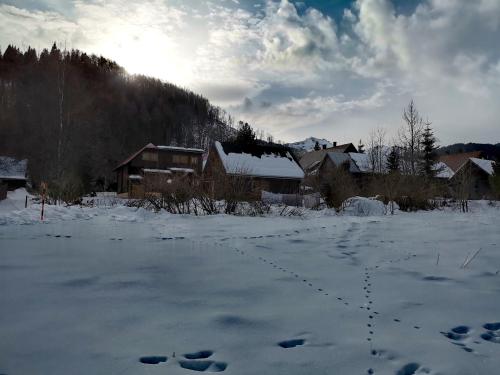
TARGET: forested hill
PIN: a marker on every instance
(490, 151)
(75, 116)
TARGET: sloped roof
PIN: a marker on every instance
(312, 157)
(484, 164)
(258, 161)
(339, 158)
(347, 147)
(455, 161)
(161, 148)
(362, 161)
(443, 171)
(13, 169)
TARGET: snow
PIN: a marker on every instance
(362, 161)
(339, 158)
(361, 206)
(13, 169)
(119, 288)
(309, 143)
(185, 170)
(484, 164)
(152, 170)
(135, 177)
(443, 171)
(269, 165)
(175, 148)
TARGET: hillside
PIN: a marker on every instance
(74, 116)
(490, 151)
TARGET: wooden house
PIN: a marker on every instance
(472, 179)
(311, 160)
(145, 170)
(259, 168)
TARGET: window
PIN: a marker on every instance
(194, 160)
(180, 159)
(149, 156)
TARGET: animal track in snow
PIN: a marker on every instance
(153, 360)
(202, 366)
(203, 354)
(287, 344)
(492, 333)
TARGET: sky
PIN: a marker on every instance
(334, 69)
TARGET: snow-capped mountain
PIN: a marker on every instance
(308, 144)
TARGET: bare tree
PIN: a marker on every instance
(376, 150)
(410, 137)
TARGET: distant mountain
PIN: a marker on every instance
(309, 143)
(490, 151)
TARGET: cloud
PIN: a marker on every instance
(292, 69)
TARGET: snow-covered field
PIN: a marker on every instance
(120, 291)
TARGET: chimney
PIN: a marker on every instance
(334, 144)
(324, 147)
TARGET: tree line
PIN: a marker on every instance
(74, 116)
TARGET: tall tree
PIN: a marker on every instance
(393, 160)
(245, 135)
(429, 156)
(410, 136)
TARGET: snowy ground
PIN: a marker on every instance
(99, 291)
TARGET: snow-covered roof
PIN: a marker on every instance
(484, 164)
(268, 164)
(362, 161)
(175, 148)
(443, 170)
(13, 169)
(185, 170)
(153, 170)
(339, 158)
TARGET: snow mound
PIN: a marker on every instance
(360, 206)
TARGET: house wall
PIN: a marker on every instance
(478, 181)
(163, 159)
(168, 159)
(215, 174)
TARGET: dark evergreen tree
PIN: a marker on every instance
(393, 160)
(361, 147)
(429, 156)
(317, 147)
(245, 135)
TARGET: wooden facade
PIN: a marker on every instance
(472, 181)
(251, 183)
(153, 165)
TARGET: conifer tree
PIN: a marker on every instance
(429, 157)
(393, 160)
(246, 135)
(317, 147)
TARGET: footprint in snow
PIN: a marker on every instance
(287, 344)
(153, 360)
(198, 361)
(492, 333)
(413, 369)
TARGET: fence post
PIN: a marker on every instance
(26, 202)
